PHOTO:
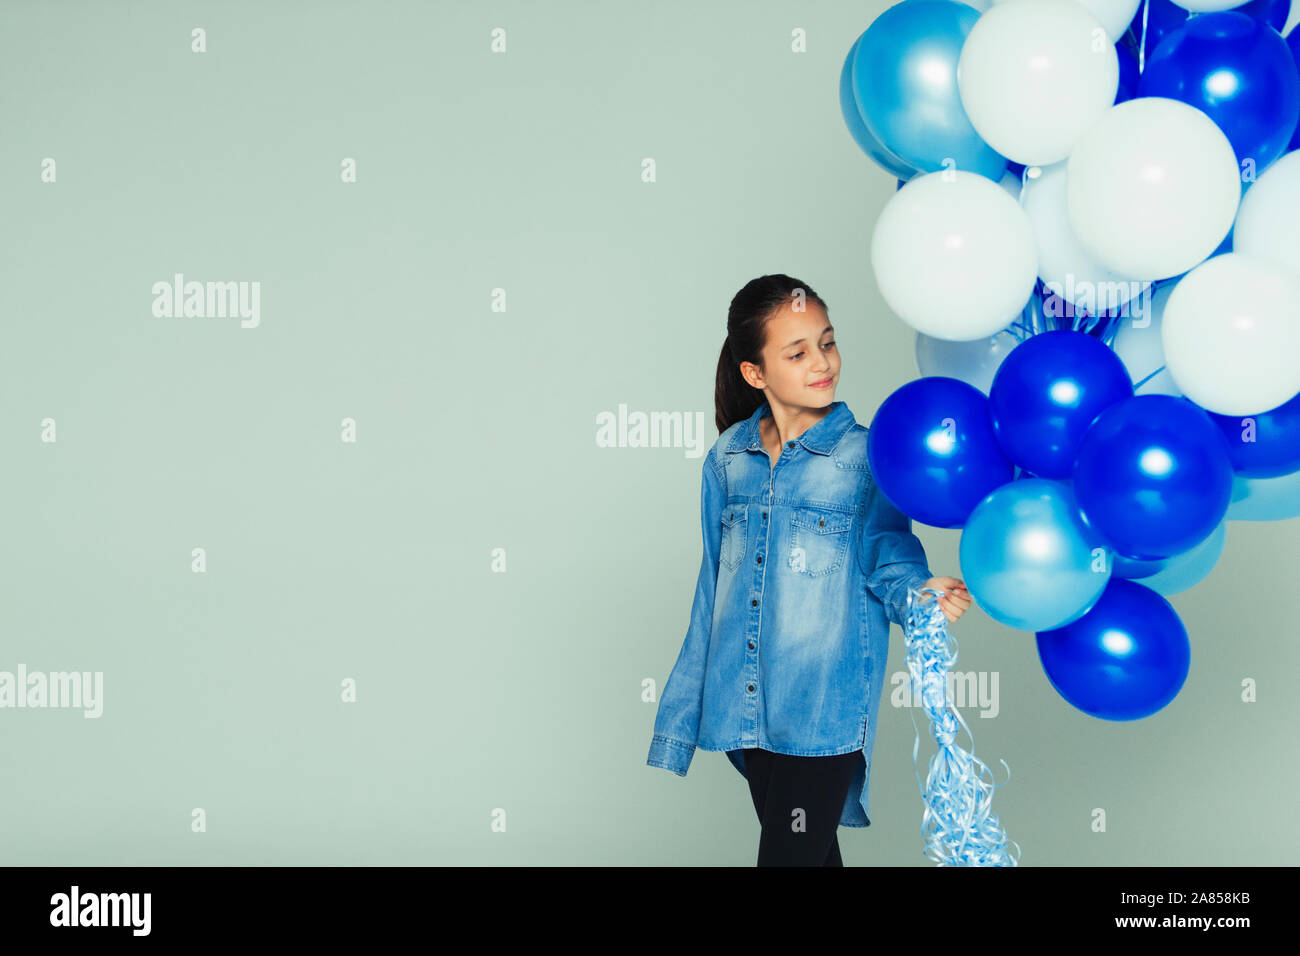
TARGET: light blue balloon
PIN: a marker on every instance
(1028, 559)
(865, 139)
(1265, 499)
(974, 361)
(905, 83)
(1138, 344)
(1186, 570)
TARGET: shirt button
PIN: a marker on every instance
(751, 688)
(789, 444)
(764, 515)
(760, 559)
(753, 603)
(751, 645)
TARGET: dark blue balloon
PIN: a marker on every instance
(1239, 72)
(932, 453)
(1272, 12)
(1293, 43)
(1163, 17)
(1153, 476)
(1128, 568)
(1125, 659)
(1128, 74)
(1046, 393)
(1270, 447)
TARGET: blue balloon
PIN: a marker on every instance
(1046, 393)
(1123, 567)
(1163, 17)
(1153, 476)
(932, 453)
(1273, 12)
(1293, 43)
(1027, 558)
(1128, 74)
(1239, 72)
(861, 135)
(1265, 499)
(905, 83)
(1263, 445)
(1184, 571)
(1124, 660)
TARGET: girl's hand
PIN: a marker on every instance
(955, 599)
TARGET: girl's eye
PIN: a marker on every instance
(828, 345)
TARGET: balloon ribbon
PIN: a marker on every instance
(959, 826)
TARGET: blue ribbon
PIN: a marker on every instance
(959, 826)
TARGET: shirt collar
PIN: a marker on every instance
(820, 438)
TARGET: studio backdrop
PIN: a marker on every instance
(357, 375)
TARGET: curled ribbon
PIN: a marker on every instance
(959, 826)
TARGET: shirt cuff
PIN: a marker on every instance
(670, 754)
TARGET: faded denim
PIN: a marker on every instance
(804, 565)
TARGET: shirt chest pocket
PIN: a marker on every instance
(819, 540)
(735, 530)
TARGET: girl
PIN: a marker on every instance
(804, 564)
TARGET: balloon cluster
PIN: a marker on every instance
(1095, 238)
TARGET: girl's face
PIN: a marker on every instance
(801, 361)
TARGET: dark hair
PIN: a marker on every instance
(734, 399)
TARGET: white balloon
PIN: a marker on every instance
(1153, 188)
(1208, 6)
(1231, 334)
(1114, 15)
(1064, 265)
(954, 255)
(1138, 345)
(1268, 223)
(1034, 75)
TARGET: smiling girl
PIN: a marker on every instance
(804, 565)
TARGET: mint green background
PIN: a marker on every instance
(477, 690)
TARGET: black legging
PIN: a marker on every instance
(781, 784)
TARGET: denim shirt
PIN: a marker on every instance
(804, 565)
